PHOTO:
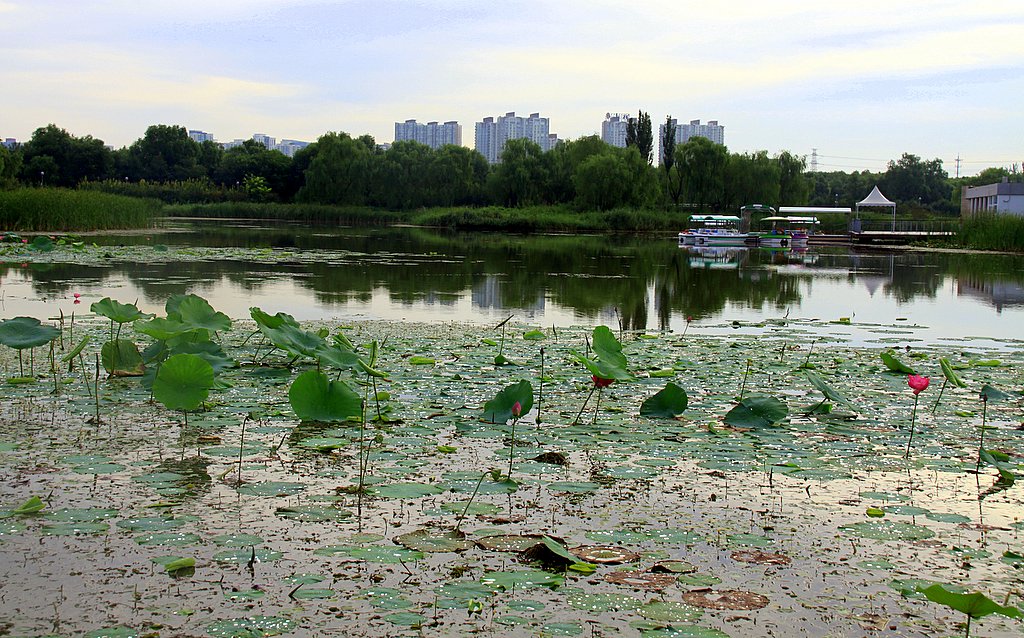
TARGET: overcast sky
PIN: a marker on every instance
(862, 82)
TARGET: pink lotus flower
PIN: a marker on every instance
(517, 409)
(77, 295)
(917, 383)
(600, 382)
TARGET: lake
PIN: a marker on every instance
(634, 282)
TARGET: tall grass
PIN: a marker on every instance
(310, 213)
(190, 191)
(992, 232)
(60, 209)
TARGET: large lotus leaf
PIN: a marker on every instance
(756, 413)
(894, 364)
(830, 393)
(162, 329)
(121, 358)
(499, 409)
(337, 356)
(669, 402)
(263, 320)
(950, 373)
(211, 352)
(314, 397)
(294, 340)
(183, 382)
(608, 361)
(434, 540)
(26, 332)
(196, 312)
(118, 312)
(976, 605)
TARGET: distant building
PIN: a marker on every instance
(492, 133)
(712, 131)
(9, 142)
(200, 136)
(290, 147)
(264, 139)
(613, 129)
(1003, 197)
(432, 134)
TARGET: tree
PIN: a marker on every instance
(668, 145)
(639, 135)
(166, 153)
(10, 164)
(458, 175)
(55, 157)
(751, 178)
(702, 163)
(339, 171)
(521, 177)
(911, 180)
(252, 159)
(793, 186)
(402, 176)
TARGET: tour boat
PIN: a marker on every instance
(714, 230)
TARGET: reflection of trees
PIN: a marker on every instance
(590, 274)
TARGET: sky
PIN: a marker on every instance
(862, 82)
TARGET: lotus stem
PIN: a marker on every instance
(540, 391)
(472, 496)
(512, 447)
(939, 398)
(597, 405)
(910, 439)
(984, 419)
(584, 406)
(746, 373)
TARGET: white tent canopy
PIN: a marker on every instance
(876, 198)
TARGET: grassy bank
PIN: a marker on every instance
(59, 209)
(532, 219)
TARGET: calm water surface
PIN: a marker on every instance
(644, 283)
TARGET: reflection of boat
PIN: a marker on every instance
(715, 257)
(714, 230)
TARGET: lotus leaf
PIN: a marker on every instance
(118, 312)
(433, 540)
(22, 333)
(314, 397)
(183, 382)
(669, 402)
(757, 412)
(499, 409)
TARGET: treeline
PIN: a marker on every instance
(584, 174)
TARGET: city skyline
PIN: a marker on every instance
(862, 84)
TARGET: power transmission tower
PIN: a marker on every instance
(958, 165)
(814, 160)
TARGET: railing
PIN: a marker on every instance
(905, 226)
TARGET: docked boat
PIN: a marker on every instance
(786, 232)
(714, 230)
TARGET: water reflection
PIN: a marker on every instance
(636, 282)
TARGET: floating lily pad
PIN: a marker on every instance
(150, 523)
(684, 631)
(171, 539)
(254, 627)
(670, 611)
(112, 632)
(405, 619)
(510, 542)
(600, 603)
(521, 579)
(406, 490)
(731, 599)
(272, 488)
(887, 531)
(604, 554)
(642, 580)
(247, 554)
(313, 513)
(434, 540)
(313, 594)
(236, 540)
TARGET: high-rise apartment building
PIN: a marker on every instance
(613, 129)
(200, 136)
(712, 131)
(432, 134)
(264, 139)
(492, 133)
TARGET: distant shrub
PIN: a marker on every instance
(60, 209)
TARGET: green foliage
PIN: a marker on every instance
(499, 409)
(57, 209)
(976, 605)
(314, 397)
(22, 333)
(640, 135)
(894, 364)
(950, 373)
(991, 232)
(669, 402)
(830, 393)
(608, 361)
(756, 413)
(121, 358)
(196, 313)
(183, 382)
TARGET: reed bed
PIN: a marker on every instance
(60, 209)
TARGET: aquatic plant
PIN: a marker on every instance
(606, 366)
(949, 376)
(23, 333)
(918, 384)
(183, 382)
(975, 606)
(988, 393)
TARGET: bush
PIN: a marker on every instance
(60, 209)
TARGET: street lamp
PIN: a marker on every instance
(42, 175)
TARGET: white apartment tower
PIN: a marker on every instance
(712, 131)
(431, 134)
(613, 129)
(492, 133)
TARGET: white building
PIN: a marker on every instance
(492, 133)
(290, 147)
(200, 136)
(613, 129)
(1003, 197)
(264, 139)
(712, 131)
(432, 134)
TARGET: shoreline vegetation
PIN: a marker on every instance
(76, 210)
